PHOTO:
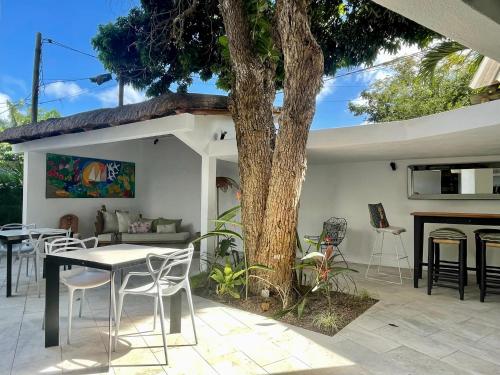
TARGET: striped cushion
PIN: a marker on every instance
(448, 233)
(490, 237)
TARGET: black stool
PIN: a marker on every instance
(450, 272)
(477, 234)
(489, 275)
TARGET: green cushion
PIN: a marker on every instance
(448, 234)
(163, 221)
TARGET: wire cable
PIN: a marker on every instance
(56, 43)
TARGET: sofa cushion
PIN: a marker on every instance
(105, 237)
(124, 220)
(155, 237)
(140, 227)
(165, 228)
(163, 221)
(110, 222)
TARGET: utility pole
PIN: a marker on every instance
(36, 78)
(120, 91)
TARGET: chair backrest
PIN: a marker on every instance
(69, 221)
(59, 245)
(38, 239)
(174, 267)
(378, 218)
(334, 229)
(17, 226)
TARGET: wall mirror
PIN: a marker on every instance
(479, 180)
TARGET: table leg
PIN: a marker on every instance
(51, 304)
(9, 269)
(175, 313)
(111, 312)
(418, 249)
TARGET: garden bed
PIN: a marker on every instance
(346, 307)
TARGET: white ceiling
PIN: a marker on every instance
(474, 23)
(468, 131)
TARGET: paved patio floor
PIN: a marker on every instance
(407, 332)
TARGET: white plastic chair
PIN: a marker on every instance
(79, 277)
(17, 248)
(164, 281)
(35, 251)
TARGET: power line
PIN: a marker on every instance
(56, 43)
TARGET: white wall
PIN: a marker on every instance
(172, 176)
(168, 180)
(345, 189)
(46, 212)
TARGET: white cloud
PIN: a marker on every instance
(359, 101)
(109, 97)
(327, 88)
(4, 113)
(64, 89)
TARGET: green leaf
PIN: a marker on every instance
(301, 306)
(313, 255)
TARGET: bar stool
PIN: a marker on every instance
(447, 271)
(490, 275)
(477, 235)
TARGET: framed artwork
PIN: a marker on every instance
(79, 177)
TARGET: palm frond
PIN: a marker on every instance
(436, 54)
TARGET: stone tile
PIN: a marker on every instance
(423, 344)
(471, 364)
(287, 365)
(370, 340)
(417, 363)
(236, 363)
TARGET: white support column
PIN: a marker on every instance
(208, 205)
(26, 176)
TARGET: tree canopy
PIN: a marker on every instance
(165, 43)
(407, 94)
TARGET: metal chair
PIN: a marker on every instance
(79, 278)
(163, 281)
(489, 275)
(17, 248)
(380, 224)
(334, 232)
(35, 251)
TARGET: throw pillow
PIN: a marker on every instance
(165, 228)
(110, 222)
(140, 227)
(124, 220)
(162, 221)
(378, 219)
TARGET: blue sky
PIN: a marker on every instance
(74, 23)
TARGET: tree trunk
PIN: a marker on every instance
(271, 180)
(251, 107)
(303, 63)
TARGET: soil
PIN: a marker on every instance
(347, 307)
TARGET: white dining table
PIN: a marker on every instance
(110, 258)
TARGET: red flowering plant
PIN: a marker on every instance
(324, 269)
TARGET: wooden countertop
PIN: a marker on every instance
(457, 214)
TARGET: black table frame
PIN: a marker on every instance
(52, 268)
(9, 241)
(418, 232)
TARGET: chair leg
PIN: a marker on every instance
(155, 313)
(81, 303)
(466, 274)
(399, 261)
(27, 266)
(35, 265)
(118, 317)
(461, 270)
(374, 249)
(406, 256)
(478, 258)
(191, 310)
(381, 252)
(70, 312)
(19, 272)
(430, 266)
(162, 322)
(437, 261)
(483, 271)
